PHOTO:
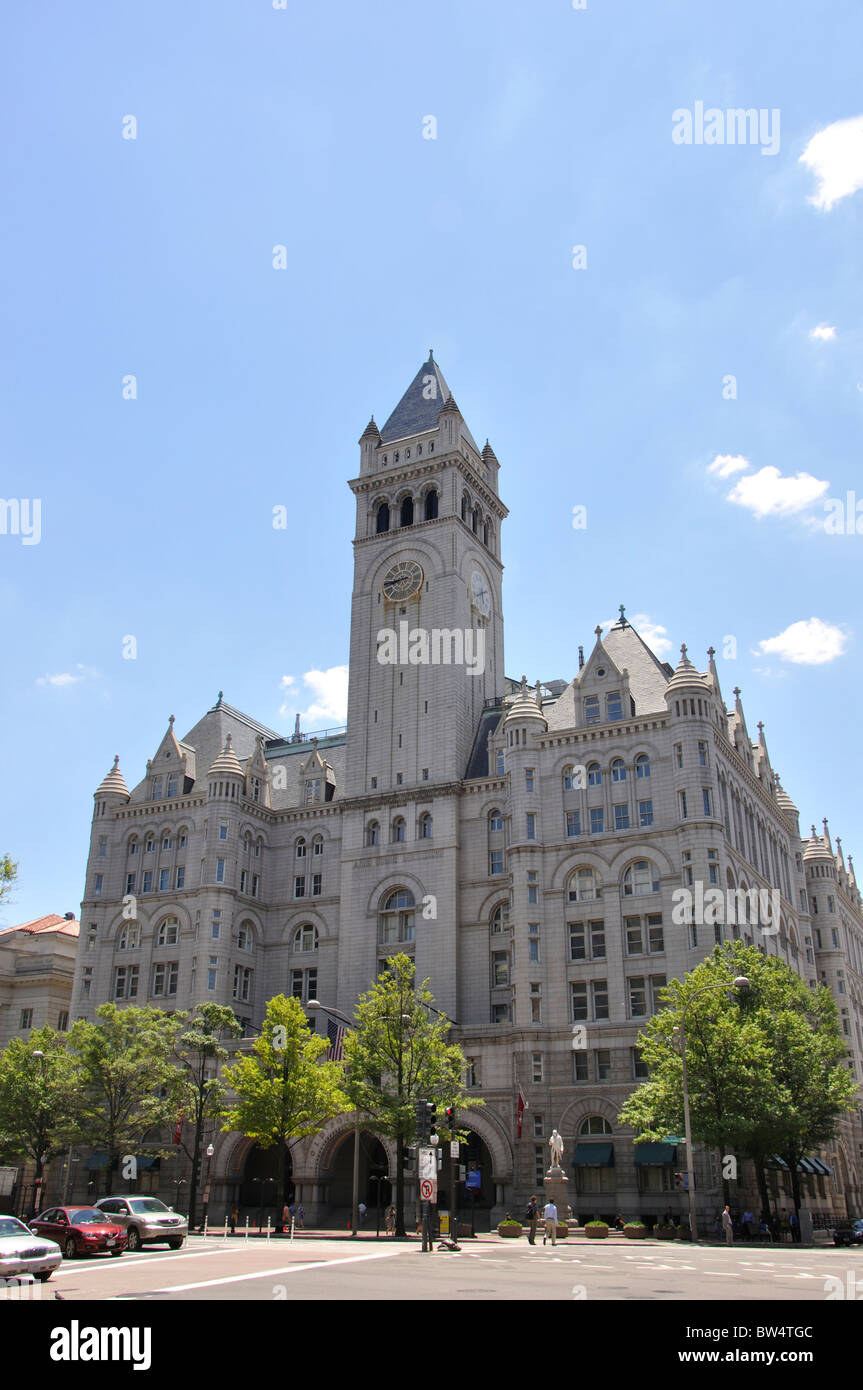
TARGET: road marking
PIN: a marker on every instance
(721, 1274)
(272, 1273)
(77, 1266)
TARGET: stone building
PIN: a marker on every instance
(522, 844)
(37, 967)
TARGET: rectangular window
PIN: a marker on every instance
(599, 990)
(91, 937)
(831, 905)
(500, 1013)
(639, 1068)
(531, 825)
(597, 820)
(531, 894)
(706, 801)
(165, 979)
(678, 754)
(613, 706)
(167, 842)
(536, 1062)
(256, 884)
(244, 878)
(533, 943)
(223, 830)
(702, 753)
(579, 1066)
(637, 997)
(529, 778)
(713, 873)
(471, 1074)
(243, 983)
(657, 985)
(535, 1007)
(621, 817)
(693, 935)
(103, 846)
(578, 991)
(157, 788)
(212, 970)
(597, 940)
(181, 876)
(538, 1165)
(164, 879)
(130, 883)
(835, 936)
(147, 881)
(498, 762)
(216, 924)
(98, 889)
(603, 1064)
(86, 981)
(576, 941)
(538, 1127)
(300, 886)
(496, 861)
(126, 982)
(220, 870)
(634, 941)
(62, 1021)
(26, 1018)
(573, 823)
(655, 937)
(681, 797)
(645, 813)
(172, 784)
(591, 709)
(499, 968)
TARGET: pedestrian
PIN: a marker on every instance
(532, 1218)
(728, 1226)
(668, 1218)
(361, 1212)
(794, 1221)
(300, 1218)
(390, 1220)
(748, 1223)
(618, 1221)
(286, 1217)
(235, 1216)
(549, 1216)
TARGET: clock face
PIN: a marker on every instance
(480, 595)
(403, 581)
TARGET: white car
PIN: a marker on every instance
(146, 1220)
(23, 1253)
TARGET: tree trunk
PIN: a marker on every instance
(280, 1186)
(761, 1178)
(400, 1186)
(193, 1180)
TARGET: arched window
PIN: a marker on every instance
(495, 822)
(169, 932)
(383, 518)
(247, 843)
(396, 918)
(425, 826)
(594, 775)
(490, 537)
(133, 845)
(431, 505)
(373, 833)
(317, 845)
(306, 938)
(399, 830)
(640, 878)
(499, 920)
(595, 1124)
(642, 765)
(485, 533)
(407, 512)
(149, 844)
(583, 886)
(129, 938)
(618, 770)
(301, 848)
(475, 520)
(465, 506)
(245, 936)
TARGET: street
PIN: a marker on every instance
(321, 1267)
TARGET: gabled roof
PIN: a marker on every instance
(420, 406)
(52, 923)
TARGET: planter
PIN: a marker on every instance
(562, 1231)
(684, 1233)
(509, 1229)
(635, 1232)
(665, 1232)
(596, 1232)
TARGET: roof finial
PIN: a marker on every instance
(736, 691)
(598, 631)
(683, 650)
(219, 701)
(171, 719)
(116, 759)
(711, 652)
(228, 741)
(622, 616)
(431, 354)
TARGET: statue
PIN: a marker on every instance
(555, 1143)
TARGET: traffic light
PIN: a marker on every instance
(425, 1113)
(450, 1117)
(409, 1159)
(678, 1181)
(432, 1111)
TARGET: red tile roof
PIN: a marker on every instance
(52, 923)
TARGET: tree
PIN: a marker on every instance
(397, 1054)
(764, 1069)
(202, 1092)
(35, 1096)
(283, 1090)
(126, 1082)
(8, 875)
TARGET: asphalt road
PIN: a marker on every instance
(315, 1267)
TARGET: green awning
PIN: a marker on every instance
(655, 1155)
(776, 1162)
(821, 1168)
(146, 1161)
(593, 1156)
(811, 1165)
(806, 1165)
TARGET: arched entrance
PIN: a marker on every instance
(375, 1187)
(256, 1191)
(476, 1193)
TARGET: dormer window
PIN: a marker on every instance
(157, 789)
(313, 790)
(256, 788)
(613, 706)
(172, 785)
(591, 709)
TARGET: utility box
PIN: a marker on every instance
(805, 1226)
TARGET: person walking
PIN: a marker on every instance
(532, 1220)
(728, 1226)
(300, 1218)
(390, 1220)
(549, 1216)
(748, 1223)
(361, 1213)
(794, 1222)
(235, 1216)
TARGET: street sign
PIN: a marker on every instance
(453, 1149)
(673, 1139)
(473, 1179)
(427, 1159)
(428, 1190)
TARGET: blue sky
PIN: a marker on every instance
(601, 386)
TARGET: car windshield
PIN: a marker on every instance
(11, 1226)
(144, 1204)
(87, 1216)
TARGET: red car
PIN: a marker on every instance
(79, 1231)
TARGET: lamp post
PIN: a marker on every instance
(355, 1198)
(210, 1151)
(741, 985)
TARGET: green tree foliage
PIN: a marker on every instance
(127, 1082)
(8, 875)
(201, 1092)
(283, 1090)
(397, 1054)
(765, 1069)
(36, 1096)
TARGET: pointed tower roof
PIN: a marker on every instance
(526, 705)
(421, 404)
(685, 674)
(371, 431)
(227, 763)
(783, 800)
(113, 782)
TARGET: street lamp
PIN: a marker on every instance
(210, 1151)
(355, 1198)
(741, 985)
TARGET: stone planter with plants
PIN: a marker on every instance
(665, 1232)
(509, 1228)
(635, 1230)
(596, 1230)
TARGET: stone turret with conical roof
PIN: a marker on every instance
(526, 709)
(113, 785)
(226, 777)
(690, 697)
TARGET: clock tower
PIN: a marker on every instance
(426, 623)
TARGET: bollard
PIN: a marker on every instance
(226, 1227)
(247, 1226)
(292, 1230)
(268, 1227)
(206, 1221)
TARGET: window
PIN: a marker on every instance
(681, 798)
(594, 775)
(245, 937)
(169, 932)
(499, 968)
(167, 842)
(165, 978)
(396, 920)
(147, 881)
(133, 845)
(621, 817)
(312, 791)
(103, 846)
(640, 878)
(500, 1013)
(181, 840)
(538, 1126)
(599, 995)
(220, 870)
(536, 1067)
(300, 886)
(603, 1064)
(495, 822)
(212, 970)
(471, 1074)
(579, 1066)
(301, 848)
(496, 861)
(529, 779)
(597, 820)
(223, 830)
(149, 844)
(318, 845)
(639, 1068)
(97, 891)
(216, 923)
(306, 938)
(373, 833)
(398, 832)
(702, 753)
(181, 876)
(500, 919)
(26, 1018)
(831, 905)
(645, 814)
(578, 997)
(618, 770)
(243, 982)
(62, 1021)
(157, 789)
(86, 981)
(130, 883)
(425, 826)
(706, 801)
(317, 881)
(595, 1124)
(678, 754)
(597, 940)
(637, 996)
(498, 763)
(634, 937)
(693, 936)
(573, 823)
(255, 783)
(164, 880)
(642, 765)
(530, 820)
(577, 949)
(129, 938)
(657, 985)
(533, 943)
(126, 982)
(591, 709)
(655, 935)
(583, 886)
(613, 706)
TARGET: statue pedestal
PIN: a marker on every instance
(556, 1185)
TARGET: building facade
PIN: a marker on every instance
(37, 968)
(522, 844)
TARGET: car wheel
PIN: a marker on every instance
(134, 1240)
(44, 1276)
(174, 1244)
(70, 1249)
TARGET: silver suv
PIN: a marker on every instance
(146, 1220)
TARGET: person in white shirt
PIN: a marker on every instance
(549, 1216)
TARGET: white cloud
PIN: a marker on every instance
(67, 678)
(824, 333)
(328, 691)
(835, 157)
(726, 464)
(770, 492)
(651, 633)
(807, 643)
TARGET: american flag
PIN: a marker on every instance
(336, 1034)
